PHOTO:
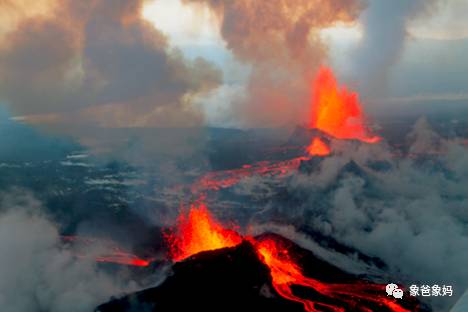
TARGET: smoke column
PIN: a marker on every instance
(281, 42)
(384, 40)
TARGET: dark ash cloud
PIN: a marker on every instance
(99, 63)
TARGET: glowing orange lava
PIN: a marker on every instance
(198, 232)
(337, 111)
(285, 273)
(217, 180)
(318, 148)
(124, 259)
(110, 253)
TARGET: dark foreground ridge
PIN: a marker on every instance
(231, 279)
(234, 279)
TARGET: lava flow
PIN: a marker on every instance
(111, 253)
(199, 231)
(286, 273)
(216, 180)
(124, 259)
(318, 148)
(337, 111)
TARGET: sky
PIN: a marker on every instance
(186, 63)
(187, 26)
(91, 70)
(435, 44)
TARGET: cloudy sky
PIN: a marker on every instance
(429, 66)
(185, 63)
(80, 69)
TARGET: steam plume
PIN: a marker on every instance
(96, 63)
(280, 40)
(37, 273)
(385, 36)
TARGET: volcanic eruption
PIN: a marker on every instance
(336, 114)
(337, 111)
(318, 148)
(197, 233)
(197, 236)
(207, 155)
(200, 232)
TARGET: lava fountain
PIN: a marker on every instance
(198, 231)
(337, 111)
(318, 148)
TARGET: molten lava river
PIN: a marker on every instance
(198, 231)
(337, 113)
(110, 252)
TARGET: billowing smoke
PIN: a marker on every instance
(408, 211)
(385, 27)
(96, 63)
(38, 273)
(424, 139)
(280, 40)
(86, 69)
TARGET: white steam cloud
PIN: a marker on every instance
(37, 273)
(408, 211)
(385, 24)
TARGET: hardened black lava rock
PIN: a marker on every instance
(234, 279)
(230, 279)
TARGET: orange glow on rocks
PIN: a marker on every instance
(337, 111)
(217, 180)
(318, 148)
(285, 273)
(110, 253)
(198, 231)
(124, 259)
